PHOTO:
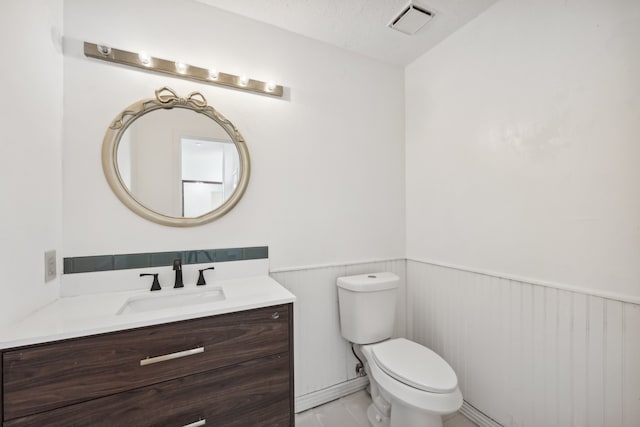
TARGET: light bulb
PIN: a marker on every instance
(213, 74)
(104, 50)
(181, 67)
(244, 80)
(271, 85)
(145, 58)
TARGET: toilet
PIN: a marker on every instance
(410, 385)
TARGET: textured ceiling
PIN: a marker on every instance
(360, 25)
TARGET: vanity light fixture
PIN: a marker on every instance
(180, 69)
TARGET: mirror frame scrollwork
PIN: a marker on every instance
(166, 98)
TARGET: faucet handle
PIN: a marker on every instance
(177, 266)
(156, 284)
(201, 280)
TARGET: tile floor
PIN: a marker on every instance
(351, 411)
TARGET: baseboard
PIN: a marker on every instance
(477, 417)
(316, 398)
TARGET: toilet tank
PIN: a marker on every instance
(367, 306)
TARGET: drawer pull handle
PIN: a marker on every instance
(275, 315)
(197, 423)
(171, 356)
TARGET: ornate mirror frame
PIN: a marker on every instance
(167, 98)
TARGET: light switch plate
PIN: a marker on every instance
(50, 272)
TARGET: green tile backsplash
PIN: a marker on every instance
(87, 264)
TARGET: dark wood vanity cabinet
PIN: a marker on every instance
(233, 369)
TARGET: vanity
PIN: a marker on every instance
(217, 355)
(227, 363)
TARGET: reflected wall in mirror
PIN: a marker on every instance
(175, 161)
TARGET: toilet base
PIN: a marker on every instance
(377, 418)
(403, 416)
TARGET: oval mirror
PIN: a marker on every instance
(175, 161)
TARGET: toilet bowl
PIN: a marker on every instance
(410, 385)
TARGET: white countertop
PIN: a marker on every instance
(77, 316)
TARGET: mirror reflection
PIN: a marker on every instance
(178, 163)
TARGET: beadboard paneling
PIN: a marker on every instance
(530, 355)
(322, 357)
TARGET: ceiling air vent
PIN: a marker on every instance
(411, 19)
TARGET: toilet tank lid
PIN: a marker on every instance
(369, 282)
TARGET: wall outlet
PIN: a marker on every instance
(50, 262)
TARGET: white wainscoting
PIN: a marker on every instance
(527, 354)
(322, 357)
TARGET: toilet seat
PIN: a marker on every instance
(397, 391)
(415, 365)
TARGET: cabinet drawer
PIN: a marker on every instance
(254, 393)
(49, 376)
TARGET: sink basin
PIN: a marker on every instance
(175, 299)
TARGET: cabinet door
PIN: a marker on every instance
(254, 393)
(49, 376)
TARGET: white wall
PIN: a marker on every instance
(30, 152)
(522, 145)
(522, 183)
(327, 160)
(528, 355)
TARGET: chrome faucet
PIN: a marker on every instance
(177, 267)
